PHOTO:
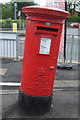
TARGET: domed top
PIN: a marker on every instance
(45, 11)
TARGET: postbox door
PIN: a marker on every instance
(45, 64)
(40, 63)
(46, 59)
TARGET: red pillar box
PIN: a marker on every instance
(43, 33)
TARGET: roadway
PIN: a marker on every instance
(65, 92)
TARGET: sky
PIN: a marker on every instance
(3, 1)
(41, 2)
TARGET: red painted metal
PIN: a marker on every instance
(39, 67)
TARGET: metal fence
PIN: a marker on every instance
(12, 46)
(72, 49)
(8, 45)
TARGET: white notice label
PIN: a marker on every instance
(45, 45)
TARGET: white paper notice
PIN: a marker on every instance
(45, 45)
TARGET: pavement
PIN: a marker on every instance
(65, 93)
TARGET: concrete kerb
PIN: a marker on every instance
(59, 85)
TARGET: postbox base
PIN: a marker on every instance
(34, 104)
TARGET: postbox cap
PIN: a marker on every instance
(40, 10)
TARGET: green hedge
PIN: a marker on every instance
(9, 23)
(74, 19)
(12, 20)
(6, 23)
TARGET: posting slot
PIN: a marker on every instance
(47, 29)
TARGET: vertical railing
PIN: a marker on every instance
(71, 52)
(16, 46)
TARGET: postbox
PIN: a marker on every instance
(43, 33)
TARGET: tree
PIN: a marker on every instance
(0, 10)
(71, 6)
(7, 11)
(23, 4)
